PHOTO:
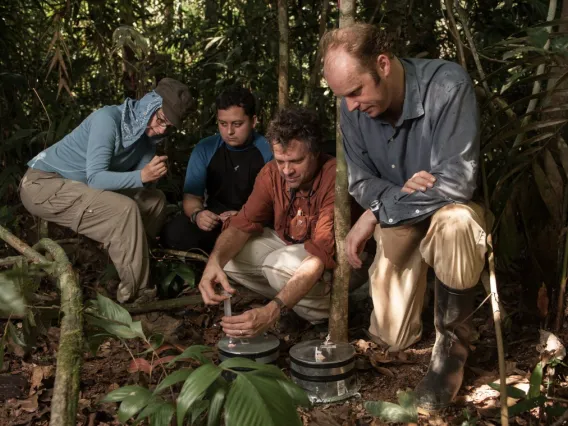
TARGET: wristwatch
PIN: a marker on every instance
(193, 216)
(375, 208)
(281, 305)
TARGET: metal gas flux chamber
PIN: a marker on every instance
(262, 349)
(325, 370)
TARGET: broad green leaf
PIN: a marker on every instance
(547, 193)
(136, 328)
(262, 369)
(163, 417)
(512, 391)
(153, 406)
(124, 392)
(118, 330)
(407, 400)
(526, 405)
(216, 406)
(166, 282)
(194, 388)
(172, 379)
(95, 341)
(113, 311)
(197, 409)
(389, 412)
(254, 400)
(193, 352)
(295, 392)
(15, 335)
(538, 36)
(133, 404)
(11, 300)
(535, 382)
(186, 273)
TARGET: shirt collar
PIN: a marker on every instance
(412, 107)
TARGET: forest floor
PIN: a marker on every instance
(27, 378)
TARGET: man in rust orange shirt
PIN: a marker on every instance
(282, 240)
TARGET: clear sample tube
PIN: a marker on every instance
(227, 304)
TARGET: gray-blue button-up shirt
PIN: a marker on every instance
(438, 132)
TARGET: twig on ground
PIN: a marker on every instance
(165, 305)
(187, 254)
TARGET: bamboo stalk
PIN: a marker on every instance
(496, 310)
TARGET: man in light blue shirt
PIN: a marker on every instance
(411, 136)
(94, 179)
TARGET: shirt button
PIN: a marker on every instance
(390, 220)
(417, 211)
(393, 166)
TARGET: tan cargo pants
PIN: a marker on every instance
(265, 265)
(118, 220)
(452, 242)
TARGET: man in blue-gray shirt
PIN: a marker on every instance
(411, 136)
(93, 180)
(220, 173)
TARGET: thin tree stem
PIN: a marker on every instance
(496, 310)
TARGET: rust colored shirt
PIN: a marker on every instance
(269, 205)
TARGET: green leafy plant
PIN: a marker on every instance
(534, 397)
(239, 391)
(403, 412)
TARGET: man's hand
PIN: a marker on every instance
(419, 182)
(207, 220)
(155, 169)
(226, 215)
(251, 323)
(213, 275)
(358, 236)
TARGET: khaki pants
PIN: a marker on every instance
(265, 265)
(118, 220)
(452, 242)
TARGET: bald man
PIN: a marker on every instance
(411, 136)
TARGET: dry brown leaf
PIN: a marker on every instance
(542, 301)
(39, 373)
(29, 405)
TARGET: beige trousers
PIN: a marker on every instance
(118, 220)
(265, 265)
(452, 242)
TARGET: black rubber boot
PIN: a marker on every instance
(452, 318)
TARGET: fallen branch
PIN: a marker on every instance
(187, 254)
(165, 305)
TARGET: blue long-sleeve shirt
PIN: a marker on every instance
(108, 149)
(438, 132)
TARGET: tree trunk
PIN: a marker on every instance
(341, 275)
(313, 83)
(283, 89)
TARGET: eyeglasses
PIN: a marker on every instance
(163, 122)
